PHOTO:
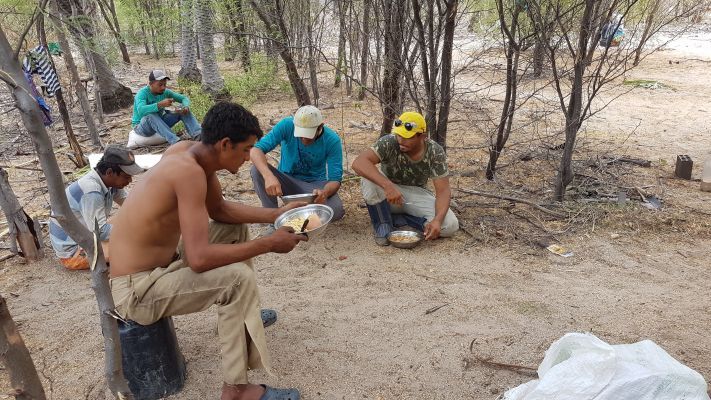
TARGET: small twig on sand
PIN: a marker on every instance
(516, 200)
(433, 309)
(522, 369)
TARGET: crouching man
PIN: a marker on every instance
(397, 194)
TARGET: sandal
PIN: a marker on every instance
(271, 393)
(269, 317)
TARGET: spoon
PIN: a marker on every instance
(303, 226)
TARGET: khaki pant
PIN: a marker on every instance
(148, 296)
(421, 203)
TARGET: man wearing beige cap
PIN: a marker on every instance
(154, 111)
(91, 198)
(311, 161)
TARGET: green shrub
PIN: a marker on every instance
(244, 88)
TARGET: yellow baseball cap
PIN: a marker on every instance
(409, 123)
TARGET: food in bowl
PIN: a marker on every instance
(404, 239)
(297, 222)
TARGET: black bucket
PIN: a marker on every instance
(152, 362)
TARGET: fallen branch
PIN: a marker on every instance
(361, 126)
(433, 309)
(515, 200)
(635, 161)
(514, 367)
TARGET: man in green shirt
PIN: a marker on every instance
(155, 113)
(397, 193)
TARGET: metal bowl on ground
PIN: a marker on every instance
(296, 217)
(307, 197)
(405, 239)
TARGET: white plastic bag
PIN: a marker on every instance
(136, 140)
(582, 367)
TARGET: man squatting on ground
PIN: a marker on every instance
(397, 194)
(156, 277)
(90, 198)
(149, 110)
(311, 161)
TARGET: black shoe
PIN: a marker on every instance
(269, 317)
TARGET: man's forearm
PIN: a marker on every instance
(259, 159)
(331, 188)
(442, 202)
(235, 213)
(217, 255)
(370, 172)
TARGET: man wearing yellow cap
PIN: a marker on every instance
(396, 194)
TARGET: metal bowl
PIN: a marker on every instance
(324, 212)
(405, 239)
(307, 197)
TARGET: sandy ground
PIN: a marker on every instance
(353, 317)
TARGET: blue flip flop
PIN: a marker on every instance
(269, 317)
(271, 393)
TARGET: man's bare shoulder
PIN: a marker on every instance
(178, 166)
(179, 147)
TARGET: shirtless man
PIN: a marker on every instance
(179, 196)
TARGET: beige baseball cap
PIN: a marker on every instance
(306, 122)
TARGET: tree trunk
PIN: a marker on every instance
(65, 217)
(72, 68)
(278, 35)
(113, 95)
(539, 56)
(503, 130)
(312, 56)
(148, 8)
(364, 50)
(188, 50)
(25, 382)
(212, 82)
(427, 55)
(340, 64)
(22, 228)
(231, 37)
(145, 37)
(646, 33)
(107, 8)
(392, 71)
(242, 38)
(446, 73)
(79, 160)
(575, 103)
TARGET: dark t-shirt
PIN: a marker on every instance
(402, 170)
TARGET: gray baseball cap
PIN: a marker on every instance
(157, 75)
(123, 157)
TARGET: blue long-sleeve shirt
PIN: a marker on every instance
(145, 102)
(320, 161)
(90, 200)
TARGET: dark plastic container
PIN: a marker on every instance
(684, 164)
(152, 362)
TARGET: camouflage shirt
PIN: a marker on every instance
(402, 170)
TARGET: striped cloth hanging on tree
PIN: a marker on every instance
(37, 62)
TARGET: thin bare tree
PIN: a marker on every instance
(25, 382)
(12, 75)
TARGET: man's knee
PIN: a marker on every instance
(241, 276)
(256, 175)
(337, 205)
(450, 225)
(372, 193)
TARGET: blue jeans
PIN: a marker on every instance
(154, 123)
